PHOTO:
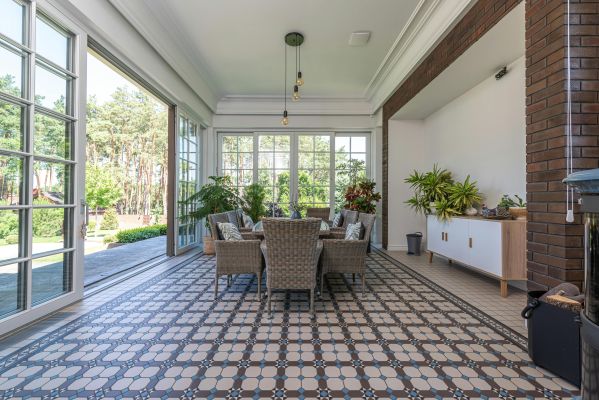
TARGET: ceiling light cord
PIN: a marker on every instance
(569, 163)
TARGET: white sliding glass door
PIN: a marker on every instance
(188, 166)
(39, 164)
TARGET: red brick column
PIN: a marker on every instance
(555, 248)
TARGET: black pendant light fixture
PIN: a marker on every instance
(293, 39)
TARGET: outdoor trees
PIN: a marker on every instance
(127, 138)
(101, 189)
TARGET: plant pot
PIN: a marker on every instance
(518, 212)
(208, 245)
(433, 208)
(471, 212)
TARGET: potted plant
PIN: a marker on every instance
(436, 193)
(517, 208)
(253, 198)
(429, 188)
(361, 196)
(217, 196)
(464, 195)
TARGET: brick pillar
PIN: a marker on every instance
(555, 248)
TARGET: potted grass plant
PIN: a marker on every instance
(253, 199)
(517, 207)
(219, 195)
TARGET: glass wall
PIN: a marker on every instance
(312, 168)
(37, 158)
(188, 182)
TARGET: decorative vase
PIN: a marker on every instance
(471, 211)
(296, 215)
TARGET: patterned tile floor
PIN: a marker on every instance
(168, 338)
(475, 288)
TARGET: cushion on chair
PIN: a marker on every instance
(338, 220)
(353, 231)
(247, 221)
(324, 226)
(229, 231)
(257, 227)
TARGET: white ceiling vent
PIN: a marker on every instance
(359, 38)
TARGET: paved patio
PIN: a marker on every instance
(108, 262)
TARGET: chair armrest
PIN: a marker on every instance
(238, 251)
(249, 235)
(336, 235)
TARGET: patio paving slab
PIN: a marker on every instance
(108, 262)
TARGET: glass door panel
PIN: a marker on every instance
(274, 173)
(314, 164)
(37, 164)
(188, 182)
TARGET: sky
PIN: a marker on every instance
(102, 80)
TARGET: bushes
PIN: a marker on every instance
(9, 223)
(109, 221)
(48, 222)
(12, 239)
(137, 234)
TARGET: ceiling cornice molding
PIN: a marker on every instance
(427, 26)
(273, 105)
(143, 20)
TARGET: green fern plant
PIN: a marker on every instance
(464, 195)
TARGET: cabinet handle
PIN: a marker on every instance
(442, 236)
(446, 236)
(470, 242)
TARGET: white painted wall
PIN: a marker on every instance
(409, 149)
(481, 134)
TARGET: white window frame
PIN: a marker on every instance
(294, 153)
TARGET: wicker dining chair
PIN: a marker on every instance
(291, 251)
(324, 213)
(347, 256)
(344, 257)
(235, 257)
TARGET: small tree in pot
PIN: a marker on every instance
(217, 196)
(253, 197)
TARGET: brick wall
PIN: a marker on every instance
(555, 248)
(473, 25)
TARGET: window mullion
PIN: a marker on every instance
(27, 229)
(332, 171)
(255, 158)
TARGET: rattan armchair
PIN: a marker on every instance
(347, 256)
(343, 256)
(291, 250)
(235, 257)
(324, 213)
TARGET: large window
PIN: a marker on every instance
(37, 158)
(189, 178)
(295, 166)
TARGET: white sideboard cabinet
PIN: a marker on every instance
(494, 247)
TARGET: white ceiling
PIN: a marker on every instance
(506, 39)
(237, 45)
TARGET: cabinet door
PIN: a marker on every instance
(485, 252)
(456, 240)
(434, 231)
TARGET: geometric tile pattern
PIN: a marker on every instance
(168, 338)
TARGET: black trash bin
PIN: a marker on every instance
(414, 243)
(587, 183)
(553, 337)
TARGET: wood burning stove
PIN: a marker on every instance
(587, 183)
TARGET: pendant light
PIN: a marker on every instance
(293, 39)
(299, 81)
(285, 120)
